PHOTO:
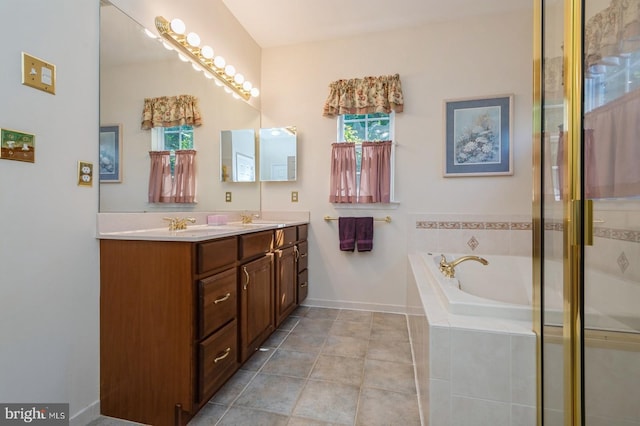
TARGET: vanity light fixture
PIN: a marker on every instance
(188, 46)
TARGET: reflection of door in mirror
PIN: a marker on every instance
(278, 151)
(238, 155)
(134, 67)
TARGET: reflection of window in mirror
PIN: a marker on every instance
(358, 128)
(172, 139)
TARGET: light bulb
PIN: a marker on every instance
(167, 45)
(255, 92)
(247, 85)
(193, 39)
(196, 67)
(226, 89)
(206, 52)
(230, 70)
(183, 58)
(238, 78)
(177, 26)
(208, 75)
(219, 62)
(235, 96)
(218, 82)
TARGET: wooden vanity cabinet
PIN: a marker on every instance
(256, 291)
(285, 253)
(302, 260)
(161, 330)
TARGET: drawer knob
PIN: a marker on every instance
(223, 356)
(222, 299)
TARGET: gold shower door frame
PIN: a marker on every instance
(573, 209)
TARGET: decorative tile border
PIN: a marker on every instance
(494, 226)
(628, 235)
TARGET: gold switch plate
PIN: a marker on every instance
(85, 173)
(294, 196)
(38, 74)
(227, 197)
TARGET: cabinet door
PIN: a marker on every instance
(286, 274)
(256, 307)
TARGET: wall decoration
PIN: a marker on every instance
(478, 137)
(110, 154)
(19, 146)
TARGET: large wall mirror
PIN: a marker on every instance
(278, 154)
(134, 66)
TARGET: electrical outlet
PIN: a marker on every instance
(227, 196)
(85, 173)
(294, 196)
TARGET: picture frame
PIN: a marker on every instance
(110, 164)
(478, 136)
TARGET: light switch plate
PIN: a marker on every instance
(38, 74)
(85, 173)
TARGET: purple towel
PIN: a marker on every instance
(364, 233)
(347, 233)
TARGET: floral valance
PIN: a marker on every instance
(364, 96)
(612, 32)
(169, 111)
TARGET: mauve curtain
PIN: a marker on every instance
(364, 96)
(160, 183)
(375, 172)
(184, 180)
(342, 181)
(170, 111)
(612, 148)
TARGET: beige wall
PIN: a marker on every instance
(436, 62)
(49, 281)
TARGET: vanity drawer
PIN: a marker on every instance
(217, 300)
(303, 231)
(217, 360)
(255, 244)
(216, 254)
(303, 255)
(285, 236)
(303, 285)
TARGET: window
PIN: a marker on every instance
(172, 139)
(360, 128)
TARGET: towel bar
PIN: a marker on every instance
(380, 219)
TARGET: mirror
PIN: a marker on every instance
(278, 147)
(238, 155)
(134, 66)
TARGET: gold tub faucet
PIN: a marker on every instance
(448, 268)
(178, 224)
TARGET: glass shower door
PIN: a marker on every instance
(611, 152)
(587, 211)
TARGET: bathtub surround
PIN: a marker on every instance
(470, 369)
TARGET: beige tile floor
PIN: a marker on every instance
(321, 367)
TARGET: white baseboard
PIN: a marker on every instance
(358, 306)
(86, 415)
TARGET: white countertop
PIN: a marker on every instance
(195, 233)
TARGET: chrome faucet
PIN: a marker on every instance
(178, 224)
(448, 268)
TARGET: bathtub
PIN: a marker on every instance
(501, 289)
(472, 340)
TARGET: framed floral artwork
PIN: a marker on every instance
(478, 136)
(110, 154)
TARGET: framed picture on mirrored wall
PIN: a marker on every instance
(110, 165)
(478, 136)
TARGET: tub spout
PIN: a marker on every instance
(448, 268)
